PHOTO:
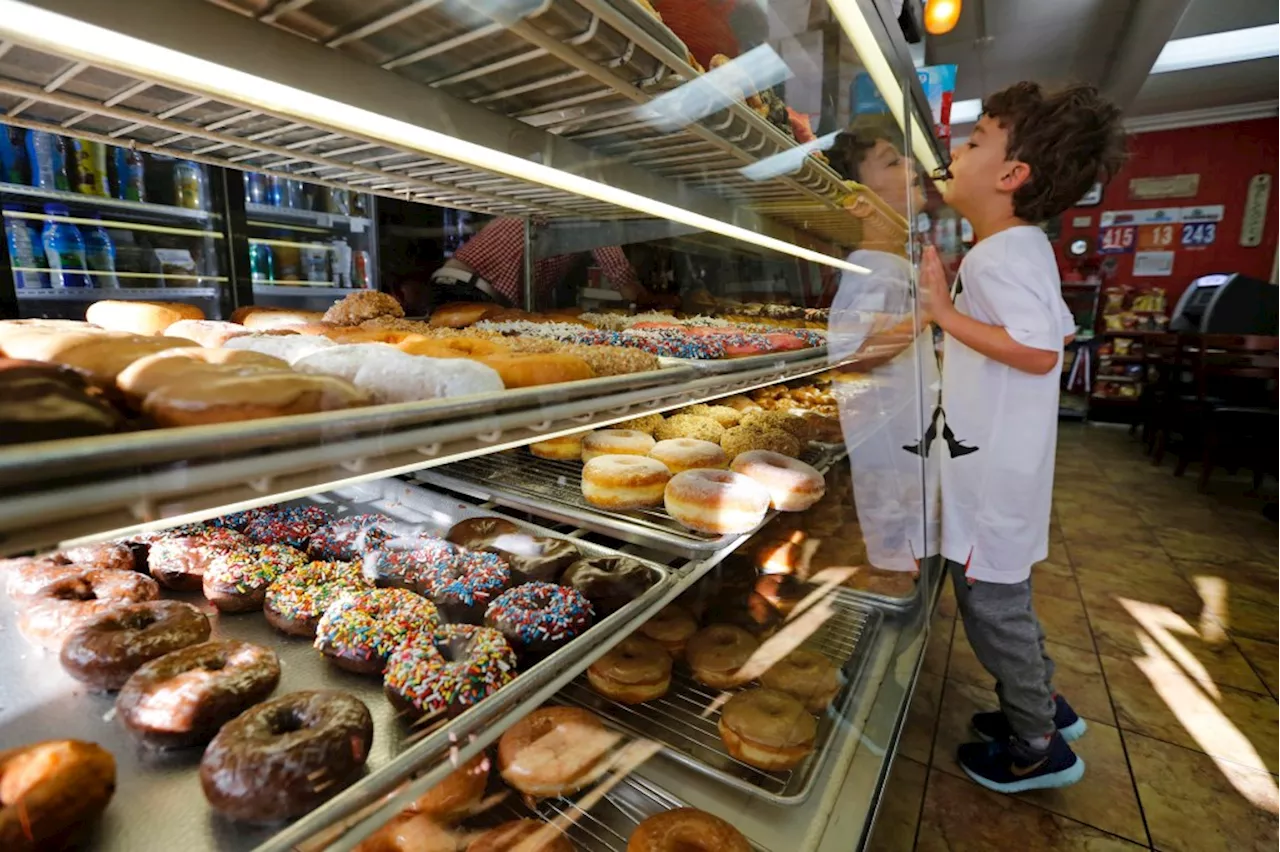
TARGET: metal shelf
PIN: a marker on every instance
(76, 199)
(591, 62)
(95, 487)
(294, 288)
(93, 294)
(316, 218)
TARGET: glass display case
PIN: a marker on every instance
(634, 533)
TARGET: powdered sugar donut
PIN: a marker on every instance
(345, 360)
(616, 442)
(288, 347)
(461, 377)
(716, 501)
(681, 454)
(624, 482)
(793, 485)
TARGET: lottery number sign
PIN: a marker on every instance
(1155, 237)
(1117, 239)
(1196, 234)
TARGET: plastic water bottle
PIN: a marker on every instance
(100, 255)
(48, 168)
(64, 250)
(25, 253)
(13, 156)
(255, 188)
(130, 172)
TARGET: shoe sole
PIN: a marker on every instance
(1070, 733)
(1061, 778)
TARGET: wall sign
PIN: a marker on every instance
(1150, 216)
(1117, 239)
(1255, 210)
(1173, 186)
(1147, 264)
(1081, 221)
(1092, 197)
(1198, 234)
(1156, 237)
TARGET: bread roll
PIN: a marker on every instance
(98, 357)
(140, 317)
(193, 365)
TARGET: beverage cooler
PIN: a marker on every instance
(638, 553)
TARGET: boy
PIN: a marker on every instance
(1030, 157)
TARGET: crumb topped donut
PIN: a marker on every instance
(689, 426)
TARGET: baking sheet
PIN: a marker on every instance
(552, 489)
(684, 721)
(158, 804)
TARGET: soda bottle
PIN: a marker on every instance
(90, 161)
(188, 185)
(255, 188)
(129, 174)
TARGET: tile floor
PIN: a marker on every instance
(1160, 606)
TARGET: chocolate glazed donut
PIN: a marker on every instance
(183, 698)
(105, 650)
(475, 533)
(532, 558)
(284, 757)
(609, 582)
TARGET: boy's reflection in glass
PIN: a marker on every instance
(872, 316)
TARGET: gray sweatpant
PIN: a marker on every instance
(1008, 640)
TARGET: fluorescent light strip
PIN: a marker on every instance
(67, 36)
(1183, 54)
(849, 14)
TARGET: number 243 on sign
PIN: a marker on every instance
(1118, 239)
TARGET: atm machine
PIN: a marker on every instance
(1227, 303)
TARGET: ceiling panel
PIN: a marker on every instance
(1218, 16)
(1207, 88)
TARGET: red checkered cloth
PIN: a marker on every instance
(497, 255)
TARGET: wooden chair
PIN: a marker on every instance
(1232, 407)
(1160, 367)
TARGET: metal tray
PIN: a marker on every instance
(158, 802)
(551, 489)
(608, 824)
(679, 721)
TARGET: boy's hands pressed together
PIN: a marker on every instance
(990, 340)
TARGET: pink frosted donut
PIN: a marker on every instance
(681, 454)
(793, 485)
(624, 482)
(616, 442)
(716, 501)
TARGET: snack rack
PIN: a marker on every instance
(553, 90)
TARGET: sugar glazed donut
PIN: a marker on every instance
(554, 751)
(106, 649)
(564, 448)
(56, 609)
(439, 674)
(360, 630)
(458, 795)
(686, 830)
(624, 482)
(671, 628)
(527, 835)
(806, 674)
(50, 791)
(717, 654)
(716, 501)
(681, 454)
(183, 698)
(793, 485)
(767, 729)
(616, 442)
(632, 672)
(284, 757)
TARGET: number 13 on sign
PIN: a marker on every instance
(1155, 237)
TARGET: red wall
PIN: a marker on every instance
(1225, 156)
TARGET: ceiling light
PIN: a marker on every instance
(1183, 54)
(966, 112)
(61, 34)
(940, 16)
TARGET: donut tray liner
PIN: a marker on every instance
(552, 489)
(681, 722)
(158, 803)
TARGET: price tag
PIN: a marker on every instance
(1155, 237)
(1117, 239)
(1196, 234)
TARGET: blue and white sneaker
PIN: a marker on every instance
(994, 727)
(1013, 766)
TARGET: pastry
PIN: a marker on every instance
(681, 454)
(793, 485)
(616, 442)
(625, 482)
(767, 729)
(719, 502)
(632, 672)
(717, 653)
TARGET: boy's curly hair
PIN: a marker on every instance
(854, 143)
(1070, 138)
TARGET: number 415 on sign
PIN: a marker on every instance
(1199, 233)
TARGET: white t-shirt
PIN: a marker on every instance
(996, 498)
(895, 492)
